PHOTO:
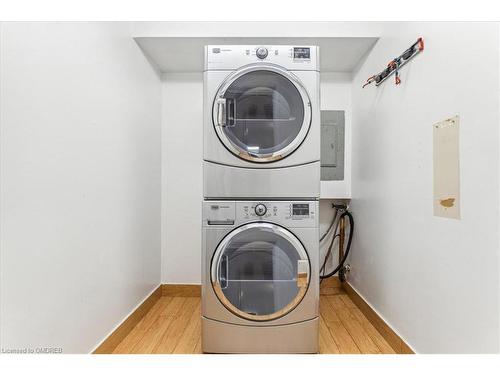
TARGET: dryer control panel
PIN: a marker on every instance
(227, 57)
(286, 213)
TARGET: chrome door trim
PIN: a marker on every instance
(291, 147)
(303, 271)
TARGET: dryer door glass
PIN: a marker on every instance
(260, 271)
(262, 115)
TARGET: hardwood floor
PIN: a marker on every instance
(173, 326)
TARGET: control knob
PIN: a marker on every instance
(260, 209)
(261, 52)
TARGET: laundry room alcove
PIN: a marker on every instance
(113, 235)
(176, 51)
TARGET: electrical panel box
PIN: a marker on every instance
(332, 145)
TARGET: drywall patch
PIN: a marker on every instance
(446, 168)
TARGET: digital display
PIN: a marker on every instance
(301, 209)
(301, 53)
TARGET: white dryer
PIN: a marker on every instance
(261, 122)
(260, 280)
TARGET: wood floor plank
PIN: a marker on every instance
(343, 339)
(153, 335)
(326, 311)
(353, 326)
(339, 333)
(331, 286)
(192, 333)
(156, 310)
(173, 325)
(173, 311)
(375, 320)
(327, 344)
(358, 333)
(173, 333)
(371, 331)
(197, 349)
(347, 301)
(331, 282)
(336, 302)
(331, 291)
(140, 329)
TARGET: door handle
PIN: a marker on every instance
(221, 112)
(231, 109)
(224, 281)
(220, 222)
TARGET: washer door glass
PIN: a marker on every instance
(260, 271)
(262, 115)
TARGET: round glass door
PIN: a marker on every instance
(260, 271)
(262, 113)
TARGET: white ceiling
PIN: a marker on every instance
(185, 54)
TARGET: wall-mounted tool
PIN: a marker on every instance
(396, 64)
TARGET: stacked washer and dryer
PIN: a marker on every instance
(260, 243)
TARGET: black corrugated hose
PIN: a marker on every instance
(348, 247)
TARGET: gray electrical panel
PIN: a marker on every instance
(332, 145)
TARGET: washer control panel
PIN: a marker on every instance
(298, 214)
(303, 213)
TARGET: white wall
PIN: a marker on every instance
(335, 95)
(80, 182)
(434, 280)
(182, 177)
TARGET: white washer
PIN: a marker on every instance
(260, 281)
(261, 122)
